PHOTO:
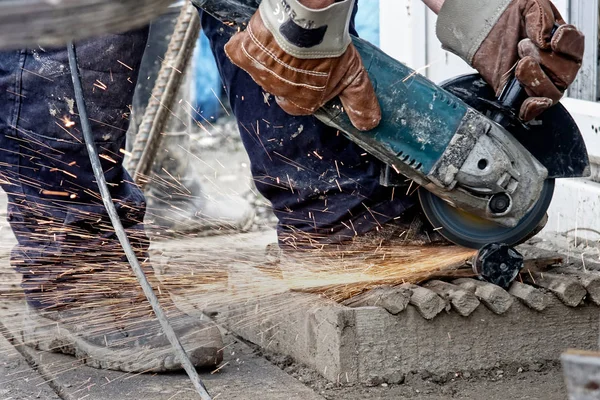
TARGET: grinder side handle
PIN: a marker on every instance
(513, 95)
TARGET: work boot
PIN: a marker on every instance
(201, 216)
(178, 205)
(122, 335)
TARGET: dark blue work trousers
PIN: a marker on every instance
(54, 207)
(323, 187)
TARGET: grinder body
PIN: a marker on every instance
(447, 141)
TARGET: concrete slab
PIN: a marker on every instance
(243, 375)
(18, 381)
(368, 344)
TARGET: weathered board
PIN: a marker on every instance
(33, 23)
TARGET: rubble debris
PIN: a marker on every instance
(568, 289)
(589, 280)
(426, 301)
(394, 299)
(530, 296)
(494, 297)
(464, 302)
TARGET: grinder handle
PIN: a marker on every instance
(513, 95)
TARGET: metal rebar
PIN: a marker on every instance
(162, 99)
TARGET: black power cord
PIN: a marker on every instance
(118, 226)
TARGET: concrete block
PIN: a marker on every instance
(314, 331)
(367, 344)
(387, 346)
(494, 297)
(568, 289)
(530, 296)
(393, 299)
(463, 301)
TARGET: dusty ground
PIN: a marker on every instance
(539, 382)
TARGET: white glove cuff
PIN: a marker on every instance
(306, 33)
(463, 25)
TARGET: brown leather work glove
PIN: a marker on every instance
(305, 57)
(499, 36)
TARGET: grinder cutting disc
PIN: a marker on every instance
(29, 23)
(553, 138)
(465, 229)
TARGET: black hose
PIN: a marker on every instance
(118, 226)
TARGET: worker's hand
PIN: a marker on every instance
(497, 36)
(305, 57)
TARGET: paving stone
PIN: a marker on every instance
(18, 381)
(366, 343)
(393, 299)
(494, 297)
(463, 301)
(567, 288)
(426, 301)
(590, 280)
(534, 298)
(243, 375)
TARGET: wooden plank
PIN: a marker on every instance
(582, 374)
(540, 264)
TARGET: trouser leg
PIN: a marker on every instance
(55, 210)
(172, 182)
(177, 202)
(323, 187)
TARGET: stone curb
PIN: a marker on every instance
(368, 343)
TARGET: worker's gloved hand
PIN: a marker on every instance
(495, 36)
(305, 57)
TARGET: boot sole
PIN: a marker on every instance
(48, 335)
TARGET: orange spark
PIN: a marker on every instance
(67, 122)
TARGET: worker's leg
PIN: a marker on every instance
(67, 251)
(321, 185)
(54, 207)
